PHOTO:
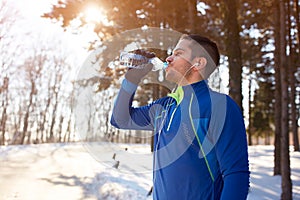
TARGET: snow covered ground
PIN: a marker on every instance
(70, 171)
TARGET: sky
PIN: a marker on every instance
(31, 11)
(31, 29)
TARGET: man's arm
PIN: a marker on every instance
(232, 154)
(124, 116)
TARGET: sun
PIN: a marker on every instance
(94, 14)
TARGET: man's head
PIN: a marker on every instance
(193, 59)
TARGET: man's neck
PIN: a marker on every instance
(189, 82)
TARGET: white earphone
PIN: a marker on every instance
(195, 65)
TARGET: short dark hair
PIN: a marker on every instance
(209, 46)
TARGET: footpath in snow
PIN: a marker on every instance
(69, 171)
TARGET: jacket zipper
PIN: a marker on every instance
(171, 119)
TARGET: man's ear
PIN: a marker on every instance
(199, 63)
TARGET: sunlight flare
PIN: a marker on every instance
(94, 14)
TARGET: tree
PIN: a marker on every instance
(4, 105)
(32, 67)
(233, 50)
(286, 183)
(293, 12)
(8, 17)
(278, 103)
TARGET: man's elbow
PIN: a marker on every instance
(113, 122)
(118, 122)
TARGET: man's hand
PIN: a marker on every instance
(135, 75)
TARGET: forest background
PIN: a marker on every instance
(258, 40)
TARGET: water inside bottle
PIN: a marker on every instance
(132, 60)
(138, 61)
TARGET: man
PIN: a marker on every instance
(200, 146)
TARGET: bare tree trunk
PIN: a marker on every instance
(68, 131)
(107, 117)
(118, 135)
(294, 119)
(295, 55)
(277, 149)
(286, 183)
(61, 120)
(250, 112)
(44, 116)
(27, 113)
(267, 138)
(4, 91)
(53, 121)
(56, 89)
(3, 123)
(233, 50)
(293, 108)
(17, 118)
(297, 18)
(67, 136)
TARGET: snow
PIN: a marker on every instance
(71, 171)
(263, 185)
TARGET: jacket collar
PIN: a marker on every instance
(182, 91)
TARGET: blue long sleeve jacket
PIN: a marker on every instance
(200, 146)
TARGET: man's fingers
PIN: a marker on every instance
(145, 53)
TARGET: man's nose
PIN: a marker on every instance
(169, 59)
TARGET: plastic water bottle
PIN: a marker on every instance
(137, 61)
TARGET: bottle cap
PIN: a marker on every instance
(165, 65)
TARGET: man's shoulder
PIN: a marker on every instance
(221, 98)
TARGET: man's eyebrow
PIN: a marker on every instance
(178, 49)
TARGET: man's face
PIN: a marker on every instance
(179, 62)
